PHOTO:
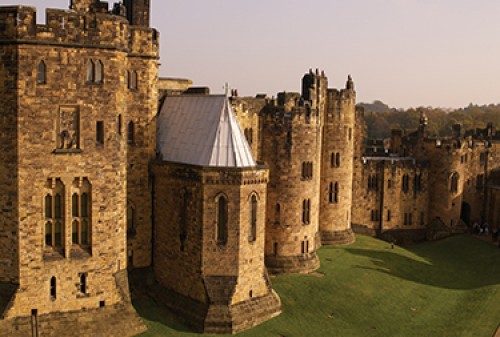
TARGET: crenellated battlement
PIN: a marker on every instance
(341, 95)
(296, 116)
(71, 28)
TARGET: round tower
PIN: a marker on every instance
(337, 166)
(291, 136)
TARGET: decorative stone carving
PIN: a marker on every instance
(68, 128)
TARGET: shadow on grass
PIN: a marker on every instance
(152, 311)
(458, 263)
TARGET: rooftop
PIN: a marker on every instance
(201, 130)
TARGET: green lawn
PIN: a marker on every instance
(436, 289)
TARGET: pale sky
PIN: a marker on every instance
(444, 53)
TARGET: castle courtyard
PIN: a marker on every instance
(369, 289)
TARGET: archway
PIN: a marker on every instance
(465, 213)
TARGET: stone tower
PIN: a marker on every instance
(337, 165)
(138, 12)
(64, 183)
(291, 148)
(142, 95)
(210, 204)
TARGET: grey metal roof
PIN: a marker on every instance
(201, 130)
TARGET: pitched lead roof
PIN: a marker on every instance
(201, 130)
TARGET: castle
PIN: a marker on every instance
(106, 168)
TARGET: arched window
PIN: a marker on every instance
(337, 160)
(252, 234)
(90, 71)
(53, 289)
(74, 205)
(222, 219)
(330, 193)
(58, 206)
(454, 182)
(48, 206)
(417, 183)
(99, 71)
(81, 212)
(58, 234)
(74, 232)
(54, 214)
(332, 160)
(83, 283)
(84, 203)
(84, 234)
(307, 170)
(336, 193)
(41, 74)
(132, 80)
(277, 214)
(306, 211)
(406, 183)
(48, 234)
(130, 132)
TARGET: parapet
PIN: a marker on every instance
(340, 95)
(72, 28)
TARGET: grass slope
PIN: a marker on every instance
(446, 288)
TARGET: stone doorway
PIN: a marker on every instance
(465, 214)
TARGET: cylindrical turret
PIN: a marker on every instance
(337, 166)
(291, 144)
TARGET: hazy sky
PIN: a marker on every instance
(404, 52)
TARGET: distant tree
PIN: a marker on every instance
(381, 118)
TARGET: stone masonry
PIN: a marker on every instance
(64, 183)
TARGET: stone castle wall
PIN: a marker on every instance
(41, 108)
(290, 140)
(71, 156)
(142, 109)
(212, 283)
(337, 167)
(437, 160)
(9, 176)
(248, 111)
(386, 205)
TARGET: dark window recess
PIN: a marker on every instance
(83, 283)
(131, 133)
(252, 235)
(119, 123)
(41, 74)
(53, 289)
(99, 132)
(306, 211)
(222, 218)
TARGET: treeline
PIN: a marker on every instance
(380, 118)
